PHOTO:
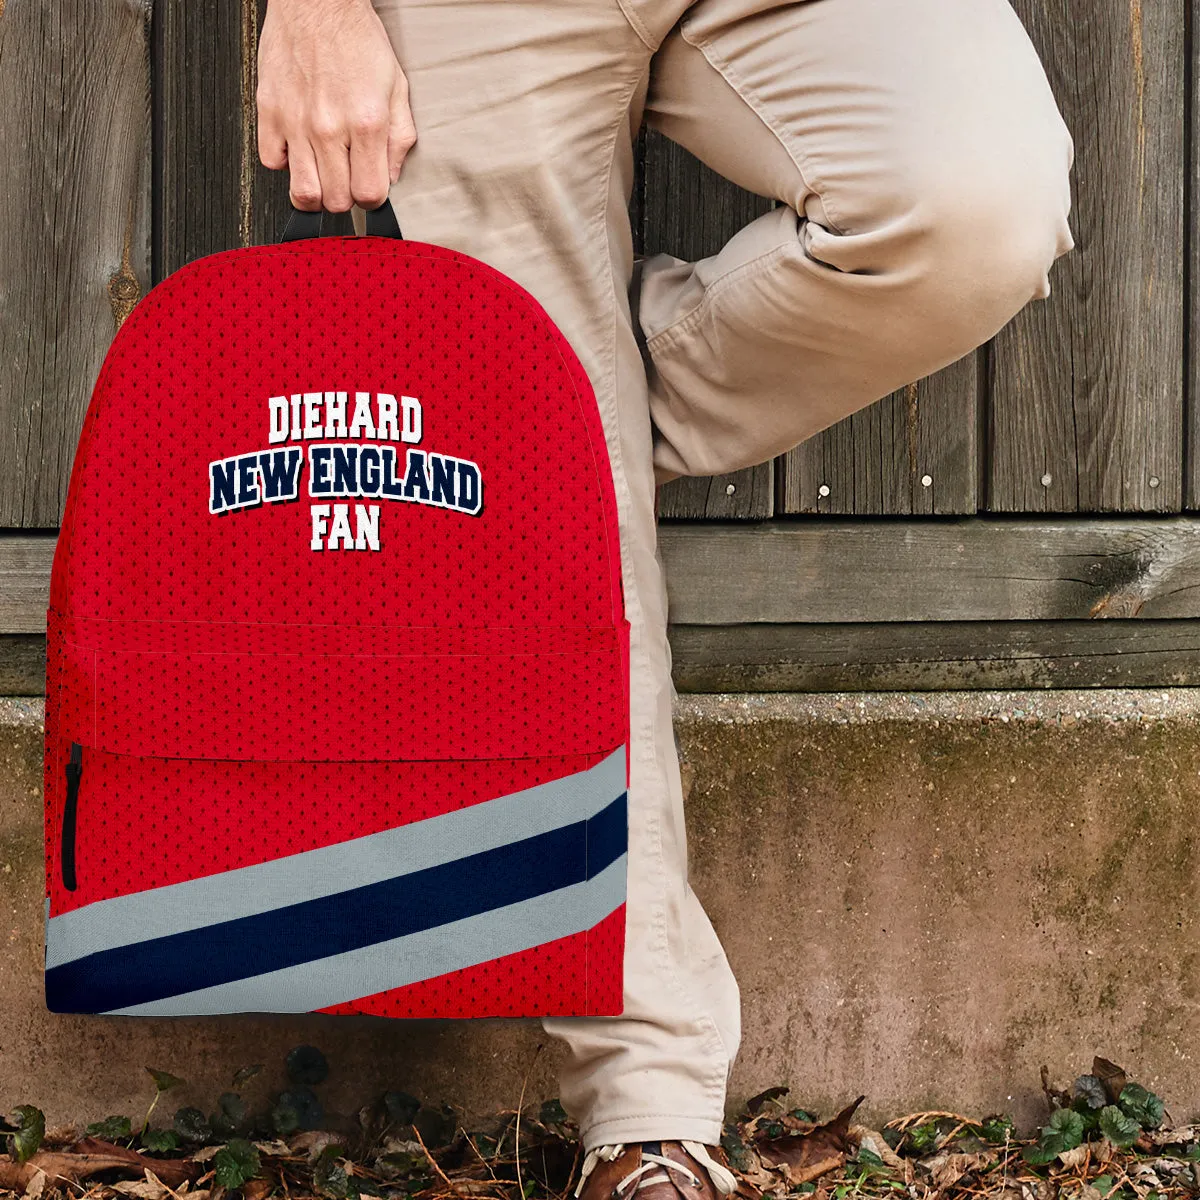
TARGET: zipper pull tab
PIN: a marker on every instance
(74, 775)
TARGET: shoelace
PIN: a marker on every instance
(723, 1178)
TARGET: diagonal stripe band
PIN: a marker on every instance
(411, 958)
(213, 899)
(339, 924)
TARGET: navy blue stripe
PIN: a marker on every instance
(345, 921)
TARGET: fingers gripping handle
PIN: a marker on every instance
(381, 222)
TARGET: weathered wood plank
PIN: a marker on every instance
(1191, 448)
(198, 68)
(973, 568)
(886, 657)
(1087, 393)
(930, 656)
(214, 192)
(74, 244)
(914, 453)
(25, 582)
(858, 571)
(744, 495)
(689, 211)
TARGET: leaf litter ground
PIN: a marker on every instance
(1105, 1138)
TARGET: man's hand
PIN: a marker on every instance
(332, 103)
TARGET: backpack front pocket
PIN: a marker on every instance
(347, 828)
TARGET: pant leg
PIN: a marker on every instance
(922, 169)
(524, 159)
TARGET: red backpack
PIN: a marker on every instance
(337, 690)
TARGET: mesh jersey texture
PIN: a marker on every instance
(336, 624)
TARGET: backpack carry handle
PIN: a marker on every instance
(381, 222)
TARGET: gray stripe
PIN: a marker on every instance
(312, 874)
(403, 960)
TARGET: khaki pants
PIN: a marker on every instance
(922, 170)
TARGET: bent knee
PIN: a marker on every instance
(998, 231)
(966, 234)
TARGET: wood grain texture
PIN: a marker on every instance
(892, 656)
(74, 243)
(974, 568)
(1191, 446)
(913, 453)
(931, 656)
(689, 211)
(214, 193)
(839, 571)
(198, 66)
(25, 582)
(1087, 387)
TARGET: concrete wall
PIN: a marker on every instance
(925, 897)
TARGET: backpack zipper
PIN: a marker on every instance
(74, 775)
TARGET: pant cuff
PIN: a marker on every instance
(652, 1127)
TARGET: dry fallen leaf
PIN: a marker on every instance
(1075, 1158)
(1111, 1077)
(800, 1151)
(948, 1168)
(871, 1139)
(150, 1188)
(313, 1141)
(796, 1175)
(89, 1157)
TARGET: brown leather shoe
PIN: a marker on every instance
(680, 1170)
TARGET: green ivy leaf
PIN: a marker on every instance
(192, 1125)
(1120, 1129)
(307, 1066)
(231, 1114)
(31, 1128)
(1039, 1156)
(111, 1129)
(1089, 1092)
(285, 1119)
(1068, 1125)
(160, 1141)
(164, 1081)
(304, 1103)
(997, 1129)
(236, 1164)
(924, 1137)
(735, 1148)
(329, 1175)
(1141, 1106)
(1103, 1184)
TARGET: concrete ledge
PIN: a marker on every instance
(925, 897)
